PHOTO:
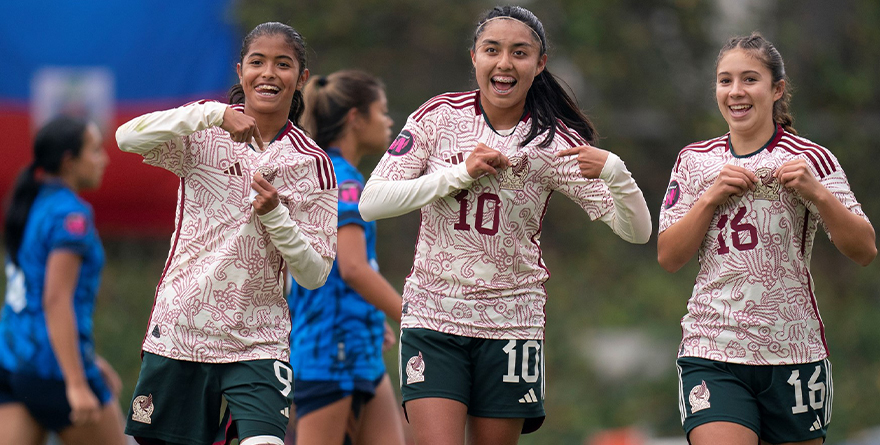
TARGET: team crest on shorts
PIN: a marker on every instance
(415, 369)
(699, 397)
(514, 177)
(767, 186)
(142, 408)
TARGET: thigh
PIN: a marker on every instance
(437, 421)
(380, 420)
(19, 427)
(259, 393)
(710, 391)
(509, 382)
(326, 425)
(106, 431)
(494, 431)
(175, 401)
(796, 404)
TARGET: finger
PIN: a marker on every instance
(567, 152)
(258, 138)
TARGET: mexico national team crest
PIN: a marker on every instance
(767, 186)
(699, 397)
(142, 408)
(415, 369)
(514, 177)
(268, 172)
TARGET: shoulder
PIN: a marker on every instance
(565, 137)
(709, 146)
(448, 103)
(820, 157)
(301, 145)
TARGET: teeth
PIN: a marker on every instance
(740, 107)
(268, 87)
(503, 80)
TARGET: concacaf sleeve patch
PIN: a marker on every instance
(402, 144)
(75, 224)
(672, 194)
(350, 191)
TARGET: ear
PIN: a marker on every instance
(238, 71)
(303, 78)
(542, 63)
(353, 117)
(778, 90)
(473, 58)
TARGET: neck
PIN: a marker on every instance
(745, 143)
(268, 124)
(67, 179)
(502, 118)
(348, 146)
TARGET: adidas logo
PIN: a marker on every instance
(817, 425)
(529, 397)
(455, 159)
(286, 412)
(234, 170)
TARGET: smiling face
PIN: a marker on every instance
(270, 74)
(507, 57)
(745, 93)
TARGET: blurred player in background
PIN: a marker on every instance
(51, 379)
(481, 166)
(256, 197)
(342, 392)
(753, 361)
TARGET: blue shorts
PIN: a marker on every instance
(45, 399)
(312, 395)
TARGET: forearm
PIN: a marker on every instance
(631, 219)
(144, 133)
(64, 339)
(374, 288)
(850, 233)
(308, 267)
(383, 198)
(680, 242)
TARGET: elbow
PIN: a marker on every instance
(312, 285)
(643, 234)
(124, 139)
(366, 211)
(668, 261)
(866, 257)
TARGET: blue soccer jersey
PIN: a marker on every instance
(58, 219)
(336, 334)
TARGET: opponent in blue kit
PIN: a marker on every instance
(50, 376)
(342, 392)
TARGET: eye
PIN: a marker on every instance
(723, 81)
(256, 62)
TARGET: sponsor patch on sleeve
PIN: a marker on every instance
(402, 144)
(673, 192)
(350, 191)
(75, 224)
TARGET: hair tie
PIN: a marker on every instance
(322, 81)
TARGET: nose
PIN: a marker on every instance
(504, 62)
(736, 89)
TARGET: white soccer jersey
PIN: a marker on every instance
(753, 300)
(478, 270)
(221, 298)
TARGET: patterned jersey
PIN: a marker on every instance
(221, 296)
(478, 270)
(58, 220)
(336, 334)
(753, 300)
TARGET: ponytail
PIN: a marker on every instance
(62, 136)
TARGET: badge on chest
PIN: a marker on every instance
(768, 186)
(514, 177)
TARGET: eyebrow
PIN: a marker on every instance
(515, 45)
(283, 56)
(744, 72)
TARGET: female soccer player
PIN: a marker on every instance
(753, 360)
(341, 389)
(481, 166)
(50, 376)
(217, 340)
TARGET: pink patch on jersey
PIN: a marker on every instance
(350, 191)
(402, 144)
(75, 224)
(672, 195)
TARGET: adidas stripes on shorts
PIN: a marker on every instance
(494, 378)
